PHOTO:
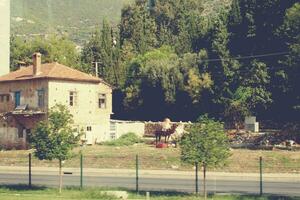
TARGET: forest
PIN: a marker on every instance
(185, 58)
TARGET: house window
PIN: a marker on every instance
(102, 101)
(41, 98)
(88, 128)
(73, 98)
(20, 134)
(4, 98)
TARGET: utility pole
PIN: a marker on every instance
(97, 68)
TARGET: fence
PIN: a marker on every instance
(137, 177)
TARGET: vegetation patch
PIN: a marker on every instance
(125, 140)
(23, 193)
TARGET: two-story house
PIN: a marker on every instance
(27, 94)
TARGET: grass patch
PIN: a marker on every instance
(125, 140)
(19, 192)
(123, 157)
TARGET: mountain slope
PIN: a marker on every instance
(76, 18)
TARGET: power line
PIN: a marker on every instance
(247, 57)
(227, 59)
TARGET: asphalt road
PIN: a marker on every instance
(159, 184)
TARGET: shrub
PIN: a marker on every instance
(7, 145)
(125, 140)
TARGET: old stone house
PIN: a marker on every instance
(28, 93)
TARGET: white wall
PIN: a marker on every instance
(4, 36)
(124, 127)
(86, 112)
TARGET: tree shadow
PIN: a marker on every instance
(268, 197)
(21, 187)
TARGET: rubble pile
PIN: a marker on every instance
(267, 140)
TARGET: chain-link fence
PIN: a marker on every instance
(261, 177)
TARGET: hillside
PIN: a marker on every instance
(76, 18)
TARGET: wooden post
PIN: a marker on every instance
(196, 178)
(204, 181)
(29, 168)
(261, 178)
(60, 176)
(81, 171)
(137, 174)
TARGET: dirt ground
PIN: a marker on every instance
(99, 156)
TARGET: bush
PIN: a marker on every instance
(7, 145)
(125, 140)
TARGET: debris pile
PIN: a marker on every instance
(267, 140)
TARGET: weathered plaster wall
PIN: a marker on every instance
(10, 136)
(11, 128)
(86, 111)
(28, 91)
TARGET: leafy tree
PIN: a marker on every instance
(235, 13)
(53, 139)
(252, 95)
(237, 107)
(53, 48)
(103, 50)
(288, 72)
(138, 27)
(163, 74)
(205, 143)
(224, 69)
(19, 51)
(91, 52)
(155, 73)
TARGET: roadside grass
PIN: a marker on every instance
(22, 192)
(123, 157)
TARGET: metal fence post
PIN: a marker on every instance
(196, 178)
(261, 178)
(137, 173)
(81, 171)
(29, 170)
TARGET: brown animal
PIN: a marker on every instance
(166, 133)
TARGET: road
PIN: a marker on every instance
(153, 181)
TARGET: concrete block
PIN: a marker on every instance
(252, 127)
(250, 120)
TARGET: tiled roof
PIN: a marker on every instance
(51, 71)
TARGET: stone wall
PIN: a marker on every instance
(143, 129)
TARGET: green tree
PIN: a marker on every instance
(163, 74)
(224, 69)
(103, 50)
(237, 107)
(53, 48)
(138, 27)
(19, 52)
(155, 73)
(205, 143)
(91, 52)
(53, 139)
(289, 71)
